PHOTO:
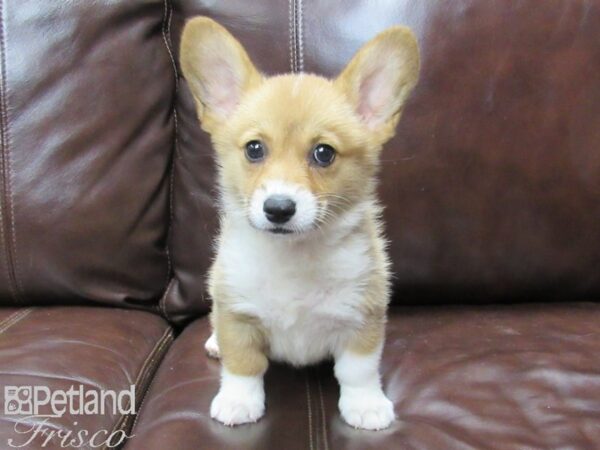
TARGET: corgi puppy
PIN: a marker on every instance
(301, 272)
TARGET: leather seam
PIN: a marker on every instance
(13, 319)
(291, 25)
(139, 409)
(7, 217)
(147, 369)
(162, 303)
(323, 418)
(299, 35)
(317, 421)
(166, 35)
(309, 413)
(296, 39)
(138, 413)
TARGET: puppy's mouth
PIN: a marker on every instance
(279, 230)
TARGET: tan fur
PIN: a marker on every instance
(290, 114)
(242, 342)
(321, 115)
(370, 336)
(376, 300)
(205, 43)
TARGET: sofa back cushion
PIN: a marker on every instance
(87, 132)
(492, 184)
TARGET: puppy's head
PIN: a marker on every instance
(296, 152)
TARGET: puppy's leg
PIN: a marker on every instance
(241, 397)
(211, 345)
(362, 401)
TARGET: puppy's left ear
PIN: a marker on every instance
(217, 69)
(380, 77)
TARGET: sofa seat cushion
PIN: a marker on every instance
(91, 349)
(493, 377)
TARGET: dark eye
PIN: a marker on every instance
(323, 155)
(255, 151)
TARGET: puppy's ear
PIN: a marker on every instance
(380, 76)
(217, 69)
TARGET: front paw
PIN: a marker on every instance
(233, 410)
(368, 409)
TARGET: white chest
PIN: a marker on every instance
(307, 295)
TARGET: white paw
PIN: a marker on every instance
(212, 347)
(368, 409)
(236, 410)
(241, 399)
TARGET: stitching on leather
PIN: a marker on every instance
(124, 420)
(166, 34)
(317, 422)
(8, 236)
(165, 338)
(147, 369)
(310, 424)
(162, 303)
(14, 318)
(292, 35)
(9, 318)
(139, 410)
(15, 259)
(2, 137)
(10, 286)
(299, 36)
(323, 418)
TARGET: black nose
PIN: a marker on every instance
(279, 208)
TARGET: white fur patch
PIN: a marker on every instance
(307, 293)
(306, 206)
(241, 399)
(362, 401)
(212, 347)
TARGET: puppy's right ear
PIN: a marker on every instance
(217, 69)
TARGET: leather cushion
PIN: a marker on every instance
(87, 134)
(62, 347)
(497, 377)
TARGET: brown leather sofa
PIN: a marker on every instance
(492, 188)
